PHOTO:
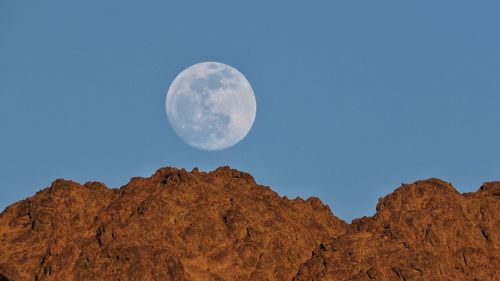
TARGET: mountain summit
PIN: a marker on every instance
(222, 225)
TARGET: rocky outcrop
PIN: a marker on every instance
(422, 231)
(174, 225)
(221, 225)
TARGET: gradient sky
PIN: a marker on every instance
(353, 97)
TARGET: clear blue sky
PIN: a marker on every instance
(353, 97)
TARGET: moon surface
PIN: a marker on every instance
(211, 106)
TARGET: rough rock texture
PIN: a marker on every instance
(179, 225)
(175, 225)
(422, 231)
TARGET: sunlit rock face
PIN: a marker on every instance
(177, 226)
(422, 231)
(211, 106)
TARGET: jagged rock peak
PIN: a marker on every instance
(174, 225)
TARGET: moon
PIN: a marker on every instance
(211, 106)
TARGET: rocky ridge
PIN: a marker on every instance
(222, 225)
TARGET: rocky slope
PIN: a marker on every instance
(179, 225)
(422, 231)
(175, 225)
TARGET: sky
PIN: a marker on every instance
(353, 97)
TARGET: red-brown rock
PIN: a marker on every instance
(175, 225)
(422, 231)
(179, 225)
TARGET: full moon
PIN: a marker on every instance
(211, 106)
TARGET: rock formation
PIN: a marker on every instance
(422, 231)
(221, 225)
